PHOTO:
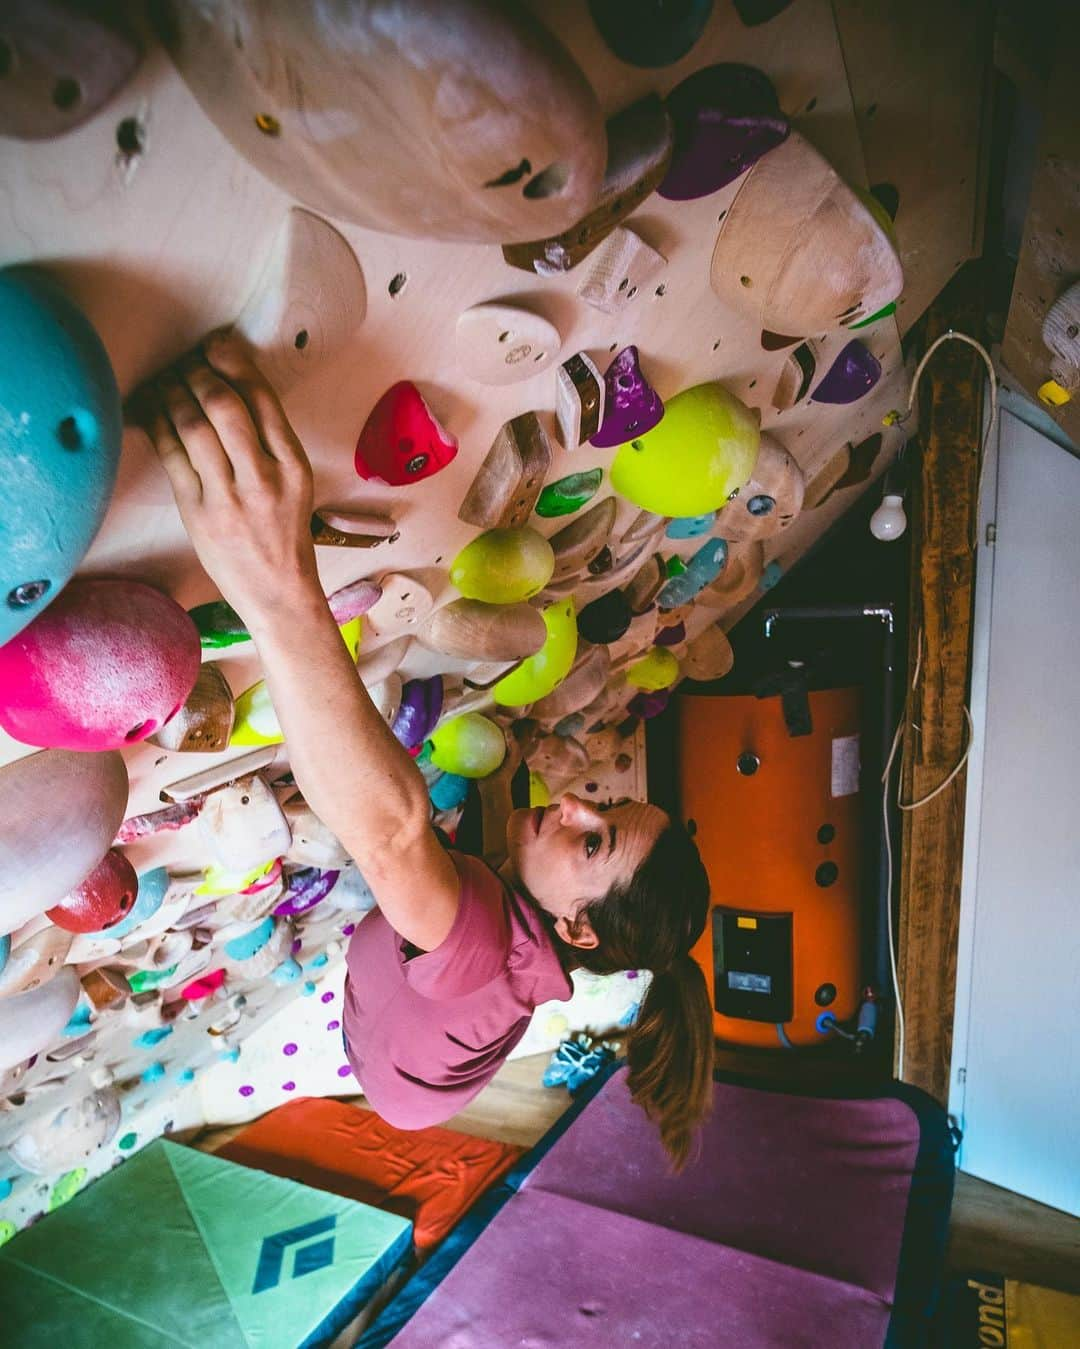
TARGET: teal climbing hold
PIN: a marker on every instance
(79, 1022)
(152, 887)
(691, 526)
(149, 1038)
(248, 943)
(232, 1055)
(188, 1075)
(154, 1073)
(5, 1189)
(308, 989)
(317, 962)
(127, 1142)
(703, 568)
(449, 791)
(771, 576)
(569, 494)
(287, 972)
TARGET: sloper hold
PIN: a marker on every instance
(705, 566)
(740, 577)
(352, 600)
(309, 301)
(60, 812)
(506, 487)
(243, 824)
(797, 251)
(770, 502)
(538, 675)
(473, 630)
(618, 270)
(351, 529)
(586, 678)
(650, 33)
(852, 375)
(579, 400)
(578, 543)
(104, 666)
(642, 591)
(725, 117)
(631, 405)
(401, 442)
(558, 759)
(32, 1021)
(313, 845)
(691, 526)
(502, 343)
(657, 670)
(470, 745)
(709, 655)
(101, 900)
(60, 433)
(205, 721)
(419, 711)
(503, 566)
(63, 63)
(640, 142)
(569, 494)
(35, 960)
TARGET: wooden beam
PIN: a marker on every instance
(943, 509)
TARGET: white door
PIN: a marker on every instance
(1016, 1054)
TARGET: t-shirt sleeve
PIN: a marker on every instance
(476, 950)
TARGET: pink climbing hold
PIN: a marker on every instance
(104, 666)
(102, 899)
(203, 986)
(264, 882)
(401, 441)
(631, 405)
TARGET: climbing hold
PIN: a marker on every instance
(203, 986)
(569, 494)
(650, 32)
(503, 566)
(884, 312)
(375, 667)
(701, 451)
(605, 619)
(579, 400)
(60, 432)
(149, 1038)
(647, 705)
(703, 568)
(313, 845)
(306, 888)
(675, 566)
(558, 760)
(331, 528)
(256, 721)
(35, 960)
(691, 526)
(287, 972)
(205, 721)
(471, 746)
(219, 625)
(352, 600)
(448, 791)
(642, 591)
(797, 251)
(738, 580)
(772, 575)
(586, 678)
(66, 1188)
(619, 270)
(60, 811)
(709, 655)
(106, 989)
(854, 373)
(404, 603)
(670, 634)
(105, 897)
(105, 665)
(639, 145)
(473, 630)
(5, 951)
(154, 1072)
(492, 131)
(419, 711)
(308, 303)
(401, 441)
(658, 670)
(796, 376)
(31, 1022)
(243, 825)
(726, 117)
(1061, 337)
(538, 675)
(501, 343)
(538, 791)
(578, 544)
(772, 499)
(631, 405)
(509, 480)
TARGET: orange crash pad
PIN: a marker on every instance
(430, 1176)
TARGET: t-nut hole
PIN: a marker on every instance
(826, 874)
(29, 592)
(548, 182)
(397, 284)
(301, 339)
(141, 730)
(505, 336)
(268, 124)
(66, 93)
(745, 281)
(130, 137)
(69, 434)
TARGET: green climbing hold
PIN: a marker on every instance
(219, 625)
(569, 494)
(890, 308)
(7, 1231)
(675, 566)
(471, 746)
(67, 1187)
(701, 451)
(504, 566)
(539, 674)
(127, 1142)
(142, 980)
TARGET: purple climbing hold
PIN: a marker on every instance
(726, 117)
(247, 1091)
(290, 1048)
(327, 997)
(671, 635)
(344, 1071)
(333, 1025)
(854, 373)
(648, 704)
(631, 405)
(420, 709)
(288, 1086)
(306, 888)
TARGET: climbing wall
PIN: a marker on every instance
(585, 319)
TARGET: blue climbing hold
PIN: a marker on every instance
(229, 1055)
(702, 569)
(691, 526)
(149, 1038)
(449, 791)
(154, 1073)
(79, 1022)
(5, 1189)
(771, 576)
(287, 972)
(318, 961)
(188, 1075)
(248, 943)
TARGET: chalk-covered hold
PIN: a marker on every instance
(401, 442)
(104, 666)
(419, 711)
(702, 569)
(69, 1136)
(35, 959)
(243, 824)
(569, 494)
(503, 566)
(471, 746)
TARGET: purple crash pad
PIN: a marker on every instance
(786, 1228)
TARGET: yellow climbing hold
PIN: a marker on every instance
(539, 794)
(256, 721)
(67, 1187)
(702, 450)
(503, 566)
(1053, 394)
(539, 674)
(220, 881)
(658, 670)
(470, 745)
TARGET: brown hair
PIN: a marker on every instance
(652, 923)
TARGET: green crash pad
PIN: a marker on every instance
(181, 1248)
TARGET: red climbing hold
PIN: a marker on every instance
(106, 896)
(401, 441)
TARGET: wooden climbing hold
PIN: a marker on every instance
(639, 146)
(60, 811)
(243, 825)
(103, 666)
(62, 63)
(647, 583)
(643, 528)
(438, 120)
(770, 502)
(631, 405)
(473, 630)
(508, 483)
(503, 566)
(618, 270)
(401, 608)
(578, 543)
(205, 721)
(351, 529)
(198, 784)
(709, 655)
(101, 899)
(650, 33)
(569, 494)
(374, 667)
(35, 960)
(826, 480)
(539, 674)
(502, 343)
(579, 400)
(726, 117)
(797, 375)
(401, 442)
(308, 303)
(586, 678)
(850, 377)
(797, 251)
(107, 989)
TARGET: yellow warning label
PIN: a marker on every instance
(750, 923)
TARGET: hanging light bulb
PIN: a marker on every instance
(888, 522)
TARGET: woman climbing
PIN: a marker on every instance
(444, 975)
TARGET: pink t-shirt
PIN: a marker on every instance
(425, 1034)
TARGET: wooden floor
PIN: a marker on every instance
(992, 1229)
